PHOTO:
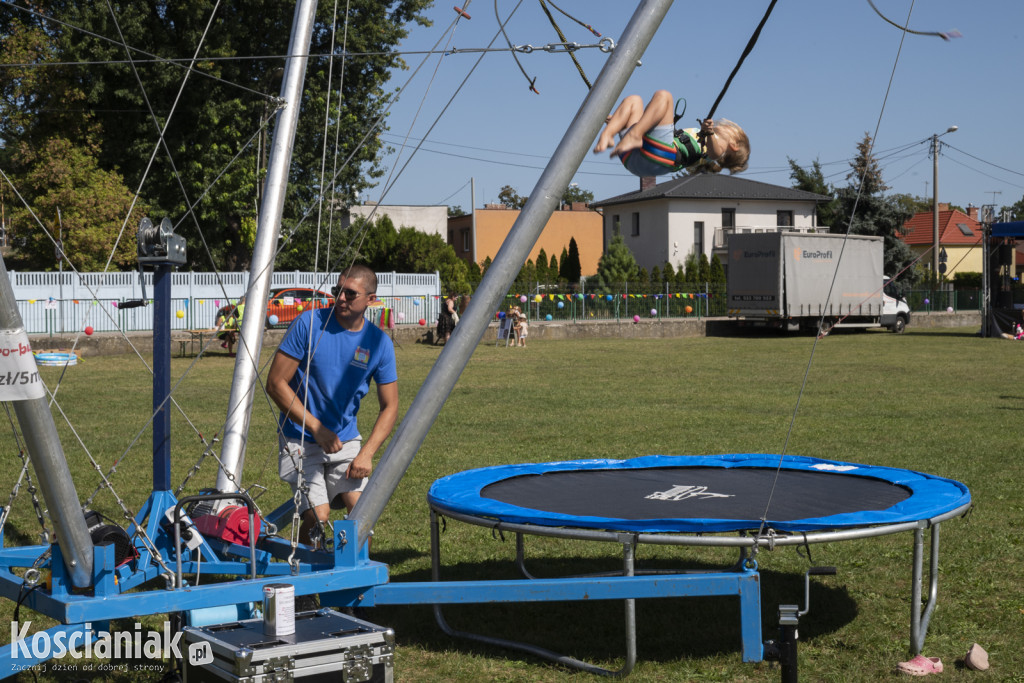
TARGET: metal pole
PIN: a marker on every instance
(46, 454)
(935, 210)
(543, 199)
(251, 330)
(162, 377)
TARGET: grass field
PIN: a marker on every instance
(943, 402)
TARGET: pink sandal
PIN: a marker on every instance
(921, 666)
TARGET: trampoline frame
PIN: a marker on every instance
(695, 582)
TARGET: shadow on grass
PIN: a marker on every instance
(667, 628)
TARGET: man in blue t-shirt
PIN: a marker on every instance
(321, 371)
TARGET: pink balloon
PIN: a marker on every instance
(636, 318)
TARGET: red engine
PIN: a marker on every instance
(230, 525)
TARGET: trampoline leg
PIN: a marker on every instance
(750, 618)
(442, 623)
(920, 618)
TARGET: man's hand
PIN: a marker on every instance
(707, 127)
(361, 466)
(327, 439)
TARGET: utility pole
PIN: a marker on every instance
(935, 202)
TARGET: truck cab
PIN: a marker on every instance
(895, 310)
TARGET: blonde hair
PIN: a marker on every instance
(734, 160)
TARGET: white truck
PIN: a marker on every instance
(784, 279)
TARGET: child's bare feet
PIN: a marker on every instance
(629, 142)
(604, 141)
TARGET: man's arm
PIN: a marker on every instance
(362, 464)
(282, 370)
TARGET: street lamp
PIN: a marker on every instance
(935, 201)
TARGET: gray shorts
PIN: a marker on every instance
(323, 473)
(637, 164)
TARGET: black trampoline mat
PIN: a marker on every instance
(697, 493)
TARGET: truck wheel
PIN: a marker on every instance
(900, 325)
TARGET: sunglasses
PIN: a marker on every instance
(346, 292)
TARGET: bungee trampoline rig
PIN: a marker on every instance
(99, 572)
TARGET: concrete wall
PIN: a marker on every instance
(110, 343)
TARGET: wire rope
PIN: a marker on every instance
(819, 337)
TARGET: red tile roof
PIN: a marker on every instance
(919, 229)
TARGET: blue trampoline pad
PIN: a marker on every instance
(672, 493)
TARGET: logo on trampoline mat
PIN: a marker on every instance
(686, 492)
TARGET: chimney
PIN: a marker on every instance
(647, 182)
(972, 212)
(579, 206)
(943, 206)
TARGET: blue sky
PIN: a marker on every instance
(813, 86)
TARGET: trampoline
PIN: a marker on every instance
(694, 500)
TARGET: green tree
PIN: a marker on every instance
(691, 268)
(407, 250)
(616, 266)
(574, 193)
(508, 196)
(553, 269)
(571, 265)
(542, 266)
(703, 269)
(562, 263)
(813, 180)
(668, 274)
(485, 265)
(884, 217)
(93, 206)
(642, 284)
(656, 283)
(911, 204)
(716, 274)
(866, 166)
(1016, 211)
(221, 117)
(455, 211)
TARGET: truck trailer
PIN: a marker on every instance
(811, 281)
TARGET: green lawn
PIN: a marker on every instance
(943, 402)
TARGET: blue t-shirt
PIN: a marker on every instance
(342, 365)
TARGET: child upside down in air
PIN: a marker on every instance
(648, 145)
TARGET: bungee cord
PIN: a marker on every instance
(820, 336)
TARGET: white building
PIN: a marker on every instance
(663, 223)
(432, 220)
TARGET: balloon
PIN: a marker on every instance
(273, 319)
(538, 298)
(927, 302)
(949, 309)
(547, 317)
(561, 304)
(501, 315)
(689, 309)
(422, 322)
(636, 318)
(522, 299)
(88, 330)
(608, 297)
(654, 312)
(401, 316)
(416, 302)
(180, 313)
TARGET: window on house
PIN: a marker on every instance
(698, 237)
(466, 246)
(728, 218)
(965, 229)
(784, 219)
(616, 223)
(636, 224)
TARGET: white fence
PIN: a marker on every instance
(62, 303)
